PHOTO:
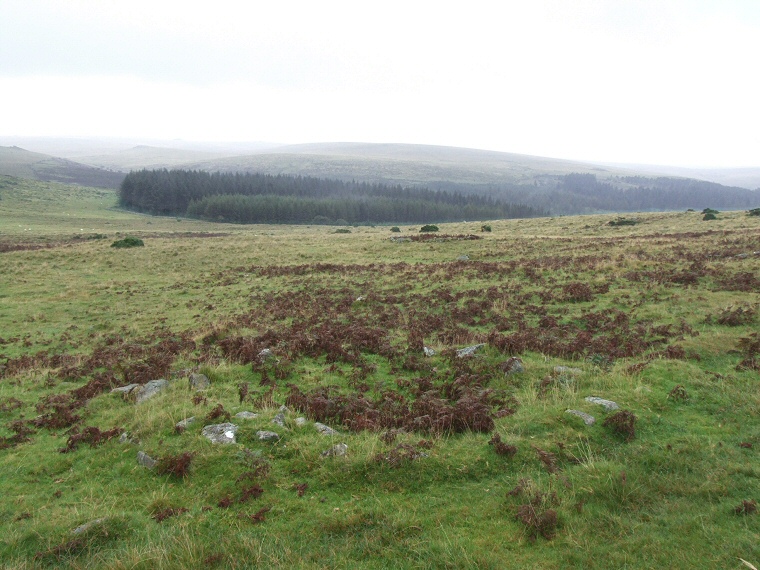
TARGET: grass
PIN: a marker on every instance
(208, 297)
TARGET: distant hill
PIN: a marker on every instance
(15, 161)
(548, 184)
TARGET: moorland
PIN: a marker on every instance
(391, 448)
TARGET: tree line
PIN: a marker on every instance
(265, 198)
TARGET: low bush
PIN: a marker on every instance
(128, 242)
(429, 228)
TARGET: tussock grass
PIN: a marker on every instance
(666, 498)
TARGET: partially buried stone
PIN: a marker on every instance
(567, 370)
(336, 450)
(279, 420)
(588, 419)
(246, 415)
(199, 382)
(512, 366)
(150, 389)
(267, 436)
(608, 405)
(428, 351)
(301, 422)
(81, 529)
(146, 460)
(325, 430)
(220, 433)
(470, 350)
(125, 390)
(182, 425)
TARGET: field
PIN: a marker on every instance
(449, 461)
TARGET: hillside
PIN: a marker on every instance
(15, 161)
(555, 393)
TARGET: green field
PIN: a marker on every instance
(659, 317)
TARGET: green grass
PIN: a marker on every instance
(666, 499)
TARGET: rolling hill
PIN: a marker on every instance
(15, 161)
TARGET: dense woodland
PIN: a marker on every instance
(578, 193)
(263, 198)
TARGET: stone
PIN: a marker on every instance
(300, 422)
(126, 438)
(146, 460)
(220, 433)
(199, 382)
(246, 415)
(283, 409)
(265, 354)
(182, 425)
(588, 419)
(428, 351)
(267, 436)
(325, 430)
(567, 370)
(469, 351)
(463, 258)
(81, 529)
(279, 420)
(336, 451)
(150, 389)
(125, 390)
(512, 366)
(608, 405)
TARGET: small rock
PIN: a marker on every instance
(470, 350)
(146, 460)
(300, 422)
(360, 298)
(743, 255)
(246, 415)
(512, 366)
(567, 370)
(283, 409)
(463, 258)
(336, 451)
(265, 354)
(609, 405)
(588, 419)
(267, 436)
(279, 420)
(325, 430)
(150, 389)
(126, 438)
(199, 382)
(125, 390)
(428, 351)
(81, 529)
(182, 425)
(220, 433)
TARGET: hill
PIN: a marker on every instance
(15, 161)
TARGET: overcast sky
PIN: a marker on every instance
(666, 81)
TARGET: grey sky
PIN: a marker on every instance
(671, 81)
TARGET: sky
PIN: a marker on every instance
(636, 81)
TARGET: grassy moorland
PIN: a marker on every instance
(450, 462)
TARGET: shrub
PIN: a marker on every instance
(622, 423)
(623, 222)
(395, 229)
(342, 231)
(754, 212)
(710, 211)
(429, 228)
(485, 228)
(709, 216)
(128, 242)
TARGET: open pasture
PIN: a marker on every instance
(449, 461)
